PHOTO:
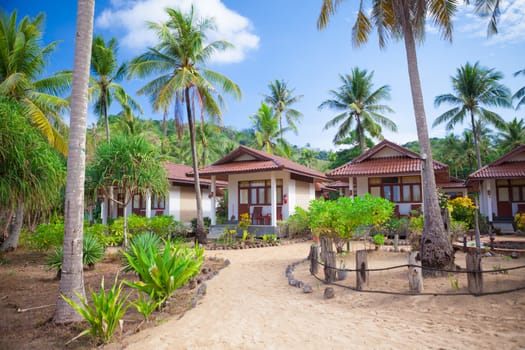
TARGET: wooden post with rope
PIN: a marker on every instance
(415, 276)
(361, 269)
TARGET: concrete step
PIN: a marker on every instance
(504, 227)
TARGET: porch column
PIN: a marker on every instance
(213, 200)
(489, 202)
(274, 199)
(351, 186)
(148, 203)
(104, 211)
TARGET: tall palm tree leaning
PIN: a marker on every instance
(474, 87)
(104, 85)
(358, 104)
(72, 268)
(22, 61)
(406, 20)
(180, 58)
(280, 98)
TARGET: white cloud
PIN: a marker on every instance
(131, 18)
(511, 23)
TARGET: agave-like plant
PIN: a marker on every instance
(107, 310)
(162, 271)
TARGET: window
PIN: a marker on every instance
(396, 189)
(259, 192)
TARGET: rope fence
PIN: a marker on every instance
(476, 285)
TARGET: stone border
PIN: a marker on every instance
(296, 283)
(244, 245)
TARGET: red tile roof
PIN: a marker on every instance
(453, 182)
(178, 173)
(510, 166)
(405, 162)
(258, 161)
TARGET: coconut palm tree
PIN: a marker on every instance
(22, 62)
(267, 134)
(104, 87)
(511, 135)
(359, 105)
(180, 58)
(406, 20)
(474, 87)
(520, 94)
(280, 98)
(72, 279)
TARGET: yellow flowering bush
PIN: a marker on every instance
(463, 209)
(519, 219)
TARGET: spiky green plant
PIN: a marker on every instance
(145, 305)
(143, 241)
(162, 271)
(93, 251)
(107, 310)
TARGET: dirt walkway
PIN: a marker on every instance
(250, 306)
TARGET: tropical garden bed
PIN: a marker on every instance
(29, 292)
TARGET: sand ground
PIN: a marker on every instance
(250, 305)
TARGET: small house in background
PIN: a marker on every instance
(501, 185)
(179, 202)
(264, 186)
(392, 172)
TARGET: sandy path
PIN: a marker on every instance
(250, 306)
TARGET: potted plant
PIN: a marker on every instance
(379, 240)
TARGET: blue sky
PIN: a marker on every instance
(278, 39)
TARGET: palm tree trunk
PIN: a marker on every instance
(360, 134)
(11, 243)
(476, 143)
(200, 233)
(72, 268)
(436, 250)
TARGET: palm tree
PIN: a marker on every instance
(474, 87)
(267, 133)
(72, 279)
(359, 106)
(511, 135)
(406, 20)
(104, 85)
(280, 98)
(22, 62)
(308, 157)
(520, 94)
(180, 58)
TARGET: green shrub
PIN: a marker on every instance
(207, 223)
(270, 238)
(162, 226)
(47, 236)
(298, 223)
(162, 271)
(415, 226)
(103, 317)
(379, 239)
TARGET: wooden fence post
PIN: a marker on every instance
(361, 269)
(474, 274)
(314, 255)
(330, 269)
(415, 276)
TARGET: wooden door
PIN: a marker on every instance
(504, 203)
